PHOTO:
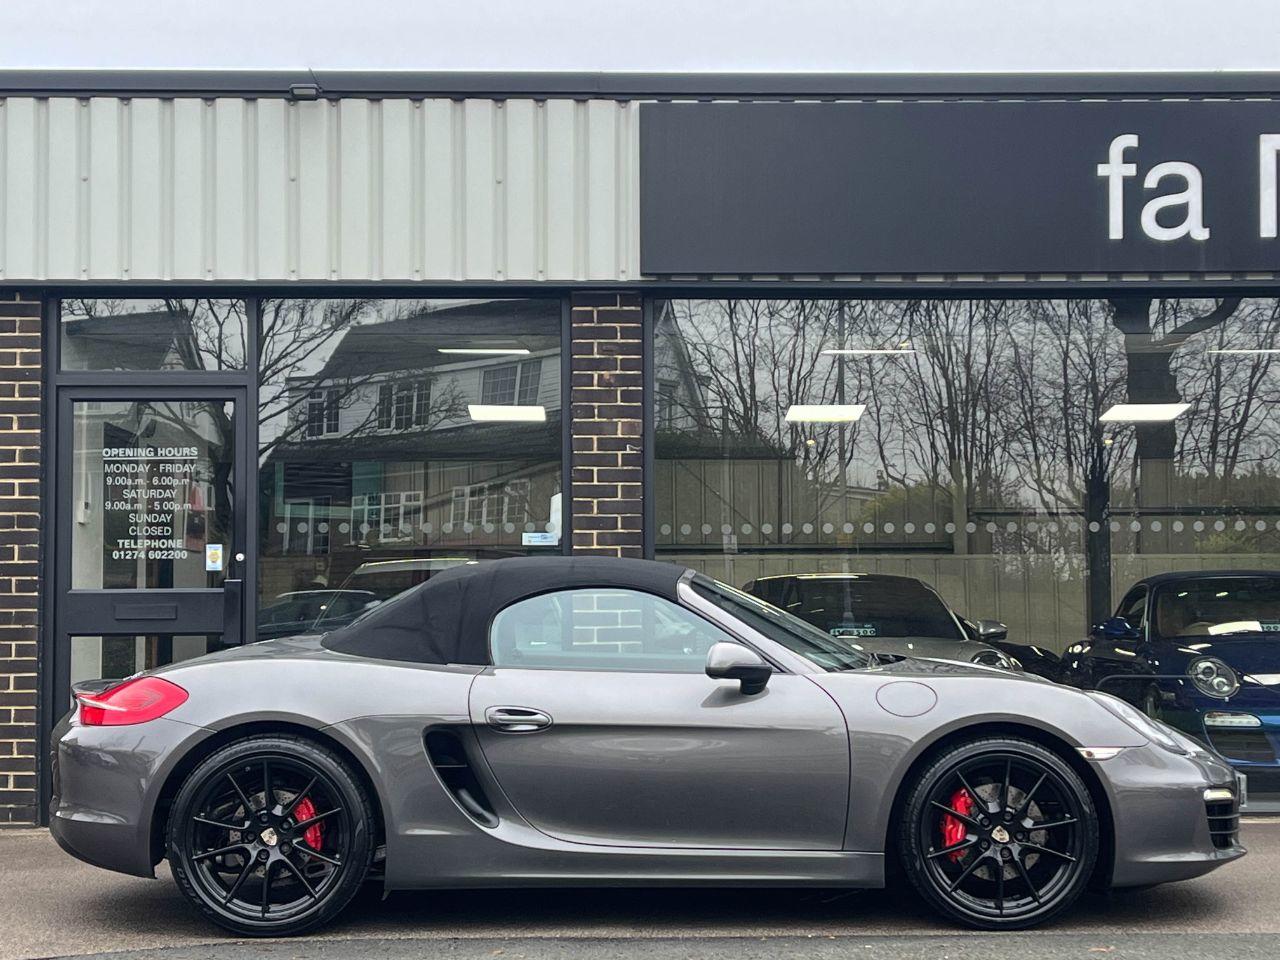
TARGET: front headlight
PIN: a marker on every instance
(1152, 730)
(1213, 678)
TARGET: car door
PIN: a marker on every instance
(600, 726)
(1114, 661)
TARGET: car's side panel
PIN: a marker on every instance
(433, 842)
(670, 759)
(292, 677)
(1155, 797)
(315, 692)
(105, 782)
(883, 745)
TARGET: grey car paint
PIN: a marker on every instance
(818, 756)
(931, 647)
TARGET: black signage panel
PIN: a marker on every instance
(978, 187)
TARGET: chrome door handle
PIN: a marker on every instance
(517, 719)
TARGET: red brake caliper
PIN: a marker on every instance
(953, 829)
(314, 834)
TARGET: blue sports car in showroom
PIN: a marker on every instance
(1199, 650)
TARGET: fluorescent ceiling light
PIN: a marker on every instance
(486, 351)
(1248, 350)
(824, 412)
(507, 413)
(1144, 412)
(859, 352)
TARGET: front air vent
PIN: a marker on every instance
(1224, 823)
(1251, 746)
(449, 757)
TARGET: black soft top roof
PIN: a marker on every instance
(446, 619)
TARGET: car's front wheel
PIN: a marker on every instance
(999, 833)
(270, 836)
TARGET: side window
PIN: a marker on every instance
(602, 629)
(1133, 608)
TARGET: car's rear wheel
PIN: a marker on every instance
(270, 836)
(999, 833)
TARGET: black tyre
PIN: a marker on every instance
(999, 834)
(270, 836)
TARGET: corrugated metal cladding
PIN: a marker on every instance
(272, 189)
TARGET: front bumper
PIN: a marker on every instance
(1165, 829)
(1253, 751)
(106, 781)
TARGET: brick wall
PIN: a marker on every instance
(606, 425)
(19, 554)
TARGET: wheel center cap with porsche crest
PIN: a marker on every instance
(999, 835)
(269, 837)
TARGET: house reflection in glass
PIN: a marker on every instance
(373, 472)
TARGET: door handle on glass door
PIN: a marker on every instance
(517, 719)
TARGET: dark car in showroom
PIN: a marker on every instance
(298, 611)
(1199, 650)
(895, 615)
(590, 721)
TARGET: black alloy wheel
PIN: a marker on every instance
(999, 834)
(270, 836)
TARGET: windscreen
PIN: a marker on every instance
(868, 607)
(828, 652)
(1217, 606)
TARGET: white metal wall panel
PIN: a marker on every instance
(19, 172)
(230, 189)
(271, 236)
(57, 236)
(105, 220)
(186, 229)
(145, 217)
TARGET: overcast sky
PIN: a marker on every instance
(646, 35)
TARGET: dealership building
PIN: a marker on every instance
(275, 346)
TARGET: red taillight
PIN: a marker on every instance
(134, 701)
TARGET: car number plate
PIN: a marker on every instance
(1242, 789)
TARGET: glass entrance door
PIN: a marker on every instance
(151, 531)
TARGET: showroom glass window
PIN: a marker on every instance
(397, 438)
(160, 334)
(1028, 459)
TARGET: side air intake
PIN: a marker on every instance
(449, 757)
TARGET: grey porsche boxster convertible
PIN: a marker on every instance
(591, 721)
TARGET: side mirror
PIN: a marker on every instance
(1118, 630)
(992, 630)
(733, 661)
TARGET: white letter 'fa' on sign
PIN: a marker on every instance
(1116, 171)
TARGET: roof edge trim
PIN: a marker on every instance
(335, 84)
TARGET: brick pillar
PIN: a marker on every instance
(607, 480)
(20, 465)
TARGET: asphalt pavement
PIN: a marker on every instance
(54, 906)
